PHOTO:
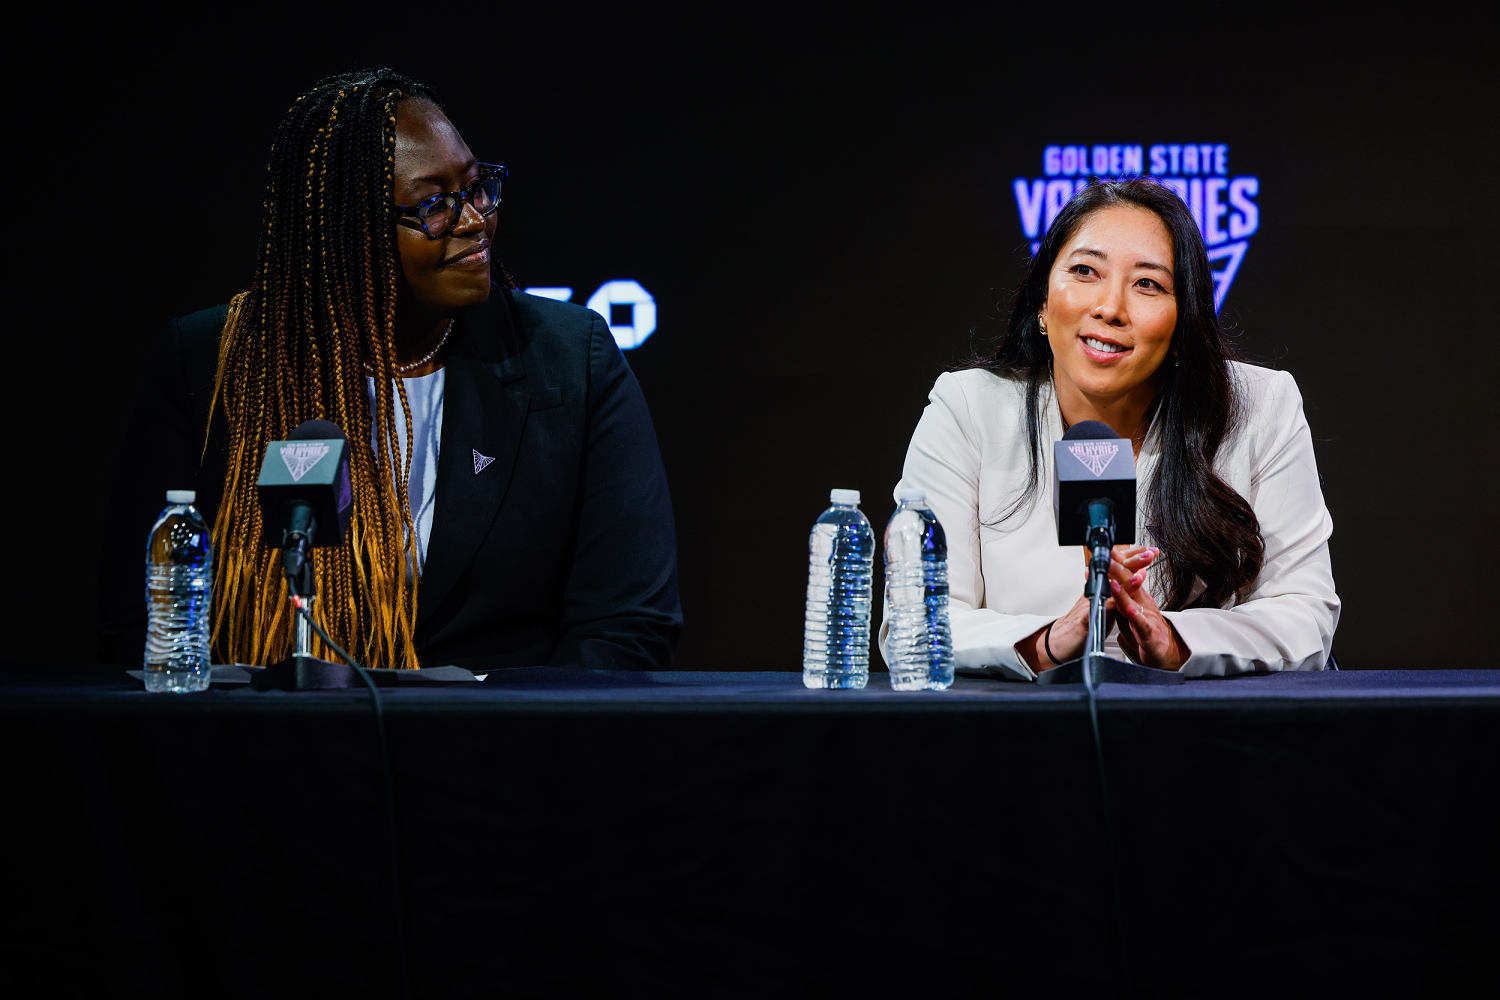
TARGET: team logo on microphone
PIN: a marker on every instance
(299, 456)
(1095, 455)
(1223, 203)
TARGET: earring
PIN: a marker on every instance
(1041, 325)
(1176, 360)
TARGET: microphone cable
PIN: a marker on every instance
(1090, 681)
(300, 603)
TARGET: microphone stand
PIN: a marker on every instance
(1101, 538)
(1094, 666)
(302, 671)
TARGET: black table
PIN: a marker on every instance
(711, 834)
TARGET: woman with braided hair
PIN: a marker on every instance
(510, 505)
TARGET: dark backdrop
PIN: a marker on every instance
(823, 210)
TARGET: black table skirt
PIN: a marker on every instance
(708, 834)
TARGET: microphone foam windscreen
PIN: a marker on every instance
(1086, 429)
(318, 429)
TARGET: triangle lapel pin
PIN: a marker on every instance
(481, 462)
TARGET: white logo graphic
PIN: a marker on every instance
(481, 462)
(1095, 455)
(300, 456)
(1223, 204)
(629, 295)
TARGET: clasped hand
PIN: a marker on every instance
(1145, 633)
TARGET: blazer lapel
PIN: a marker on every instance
(484, 417)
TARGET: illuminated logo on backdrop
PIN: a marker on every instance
(1222, 204)
(627, 307)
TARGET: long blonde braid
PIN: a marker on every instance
(297, 345)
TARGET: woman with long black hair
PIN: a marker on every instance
(1114, 322)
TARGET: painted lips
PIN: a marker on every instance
(1101, 350)
(474, 255)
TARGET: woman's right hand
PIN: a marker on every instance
(1070, 633)
(1065, 639)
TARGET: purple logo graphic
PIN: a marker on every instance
(1095, 455)
(481, 462)
(1223, 204)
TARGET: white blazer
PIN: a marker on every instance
(1006, 580)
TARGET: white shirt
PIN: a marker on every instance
(1009, 579)
(425, 394)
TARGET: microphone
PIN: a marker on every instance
(1093, 501)
(1093, 485)
(305, 502)
(305, 496)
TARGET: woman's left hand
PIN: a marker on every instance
(1145, 632)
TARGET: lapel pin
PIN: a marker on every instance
(481, 462)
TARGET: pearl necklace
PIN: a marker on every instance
(403, 369)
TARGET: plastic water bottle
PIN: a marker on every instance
(179, 592)
(919, 644)
(836, 633)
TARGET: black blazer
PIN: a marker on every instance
(561, 550)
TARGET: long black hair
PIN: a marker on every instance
(1207, 532)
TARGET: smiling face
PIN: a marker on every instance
(450, 273)
(1109, 315)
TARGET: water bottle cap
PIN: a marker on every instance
(911, 494)
(181, 496)
(844, 496)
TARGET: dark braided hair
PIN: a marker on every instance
(319, 315)
(1207, 531)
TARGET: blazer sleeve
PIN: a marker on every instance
(621, 607)
(944, 458)
(1287, 621)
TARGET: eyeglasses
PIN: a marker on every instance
(437, 216)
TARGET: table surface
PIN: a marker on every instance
(689, 833)
(696, 689)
